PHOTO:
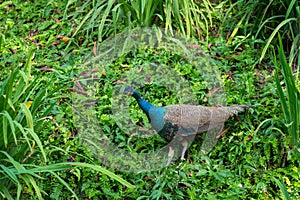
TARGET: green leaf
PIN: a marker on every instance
(273, 35)
(282, 188)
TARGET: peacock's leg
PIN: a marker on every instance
(184, 144)
(170, 155)
(220, 133)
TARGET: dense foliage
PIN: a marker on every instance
(43, 43)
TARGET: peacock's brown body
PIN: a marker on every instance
(182, 122)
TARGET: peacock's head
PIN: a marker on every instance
(128, 91)
(132, 92)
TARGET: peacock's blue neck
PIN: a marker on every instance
(155, 114)
(144, 105)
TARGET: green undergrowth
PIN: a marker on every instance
(252, 160)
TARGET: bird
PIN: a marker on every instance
(183, 121)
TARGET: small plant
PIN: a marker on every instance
(289, 22)
(22, 113)
(110, 17)
(290, 98)
(21, 97)
(262, 20)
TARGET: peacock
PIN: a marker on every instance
(181, 122)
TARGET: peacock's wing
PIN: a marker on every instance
(195, 119)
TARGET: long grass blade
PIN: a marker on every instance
(67, 165)
(38, 142)
(16, 165)
(209, 10)
(292, 94)
(235, 30)
(110, 3)
(294, 51)
(102, 170)
(10, 173)
(282, 188)
(290, 99)
(265, 22)
(264, 51)
(28, 115)
(5, 193)
(4, 131)
(8, 118)
(28, 63)
(6, 90)
(282, 97)
(30, 181)
(291, 6)
(82, 23)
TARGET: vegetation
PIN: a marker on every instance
(254, 45)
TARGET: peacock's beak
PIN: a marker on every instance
(128, 91)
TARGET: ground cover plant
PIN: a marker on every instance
(43, 43)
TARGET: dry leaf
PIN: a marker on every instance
(55, 43)
(65, 39)
(56, 20)
(95, 49)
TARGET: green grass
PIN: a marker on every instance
(20, 144)
(289, 98)
(109, 17)
(44, 44)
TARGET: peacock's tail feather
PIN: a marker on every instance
(196, 119)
